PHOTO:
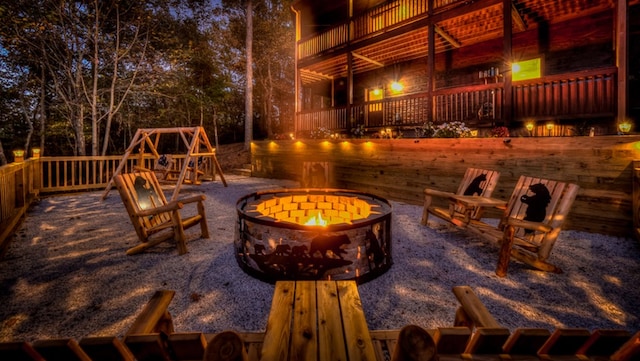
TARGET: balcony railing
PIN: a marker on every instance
(566, 96)
(368, 24)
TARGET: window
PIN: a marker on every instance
(528, 69)
(375, 95)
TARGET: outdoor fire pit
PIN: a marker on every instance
(316, 234)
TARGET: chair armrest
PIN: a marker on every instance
(191, 199)
(534, 226)
(436, 193)
(154, 315)
(171, 206)
(141, 169)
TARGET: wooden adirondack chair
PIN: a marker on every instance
(476, 182)
(531, 223)
(154, 219)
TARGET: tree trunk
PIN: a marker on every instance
(248, 121)
(78, 129)
(43, 112)
(3, 158)
(95, 133)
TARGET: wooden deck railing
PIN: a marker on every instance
(578, 94)
(573, 95)
(19, 185)
(22, 182)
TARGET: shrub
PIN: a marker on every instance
(452, 130)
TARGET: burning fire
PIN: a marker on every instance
(316, 220)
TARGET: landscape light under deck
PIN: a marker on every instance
(549, 128)
(529, 127)
(624, 127)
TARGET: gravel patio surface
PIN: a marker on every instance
(66, 274)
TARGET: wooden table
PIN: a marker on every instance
(317, 320)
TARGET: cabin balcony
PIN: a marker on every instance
(470, 76)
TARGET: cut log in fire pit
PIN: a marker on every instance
(313, 234)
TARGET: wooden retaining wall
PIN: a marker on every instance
(399, 169)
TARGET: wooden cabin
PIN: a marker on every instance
(538, 67)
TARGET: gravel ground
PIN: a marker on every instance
(66, 274)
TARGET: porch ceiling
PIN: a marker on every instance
(459, 27)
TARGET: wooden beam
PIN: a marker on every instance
(362, 57)
(315, 74)
(517, 19)
(448, 38)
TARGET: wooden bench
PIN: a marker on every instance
(317, 320)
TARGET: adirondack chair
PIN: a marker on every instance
(154, 219)
(531, 223)
(476, 184)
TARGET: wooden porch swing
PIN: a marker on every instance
(199, 150)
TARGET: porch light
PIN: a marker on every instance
(529, 127)
(624, 127)
(35, 152)
(377, 91)
(18, 155)
(397, 86)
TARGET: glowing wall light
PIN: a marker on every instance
(396, 87)
(527, 69)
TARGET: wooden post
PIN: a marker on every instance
(414, 344)
(431, 67)
(505, 251)
(226, 346)
(622, 56)
(508, 57)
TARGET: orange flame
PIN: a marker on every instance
(316, 220)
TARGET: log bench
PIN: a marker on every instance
(293, 334)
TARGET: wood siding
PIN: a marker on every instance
(400, 169)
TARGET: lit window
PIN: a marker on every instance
(524, 70)
(373, 96)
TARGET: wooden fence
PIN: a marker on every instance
(399, 169)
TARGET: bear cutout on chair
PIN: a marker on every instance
(474, 187)
(536, 204)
